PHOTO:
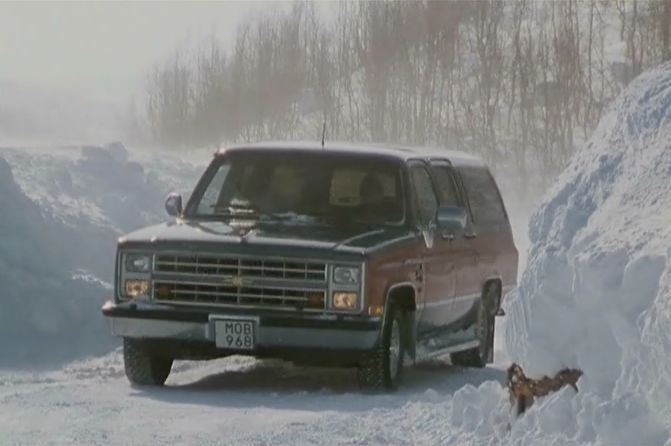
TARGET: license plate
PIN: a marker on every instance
(235, 334)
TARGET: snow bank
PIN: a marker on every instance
(43, 307)
(62, 211)
(596, 293)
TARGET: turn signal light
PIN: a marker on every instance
(135, 288)
(315, 300)
(375, 310)
(345, 301)
(163, 291)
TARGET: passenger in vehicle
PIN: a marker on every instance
(371, 192)
(374, 205)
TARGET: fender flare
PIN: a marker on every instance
(409, 320)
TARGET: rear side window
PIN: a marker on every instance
(486, 206)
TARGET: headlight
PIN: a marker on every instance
(346, 275)
(345, 301)
(138, 263)
(135, 288)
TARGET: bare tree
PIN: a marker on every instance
(522, 83)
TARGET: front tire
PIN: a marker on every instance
(142, 368)
(479, 356)
(382, 368)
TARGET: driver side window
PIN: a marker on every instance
(214, 190)
(425, 197)
(445, 185)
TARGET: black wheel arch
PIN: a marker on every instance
(492, 287)
(403, 296)
(490, 284)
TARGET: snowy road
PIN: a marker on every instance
(232, 401)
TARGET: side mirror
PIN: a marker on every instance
(173, 204)
(452, 220)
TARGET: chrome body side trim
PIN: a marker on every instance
(449, 301)
(454, 348)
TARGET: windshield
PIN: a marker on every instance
(313, 186)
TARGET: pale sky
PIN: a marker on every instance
(103, 45)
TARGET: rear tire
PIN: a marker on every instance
(142, 368)
(382, 368)
(479, 356)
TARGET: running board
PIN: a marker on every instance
(454, 348)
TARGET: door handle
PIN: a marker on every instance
(447, 235)
(419, 273)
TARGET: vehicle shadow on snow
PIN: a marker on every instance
(277, 384)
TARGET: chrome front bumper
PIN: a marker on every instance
(302, 332)
(160, 329)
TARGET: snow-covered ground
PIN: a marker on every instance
(242, 401)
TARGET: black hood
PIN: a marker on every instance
(354, 239)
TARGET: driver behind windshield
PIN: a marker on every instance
(371, 191)
(372, 200)
(346, 190)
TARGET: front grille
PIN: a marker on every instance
(243, 267)
(211, 280)
(206, 294)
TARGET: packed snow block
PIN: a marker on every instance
(22, 227)
(64, 210)
(6, 176)
(117, 150)
(477, 409)
(46, 314)
(596, 294)
(107, 168)
(127, 196)
(96, 194)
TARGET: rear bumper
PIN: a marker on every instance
(330, 332)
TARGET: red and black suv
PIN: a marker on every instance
(358, 256)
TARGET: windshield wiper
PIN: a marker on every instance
(237, 210)
(330, 218)
(234, 210)
(276, 216)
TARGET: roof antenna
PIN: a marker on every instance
(323, 133)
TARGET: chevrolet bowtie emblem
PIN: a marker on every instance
(235, 281)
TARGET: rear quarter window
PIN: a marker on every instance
(489, 215)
